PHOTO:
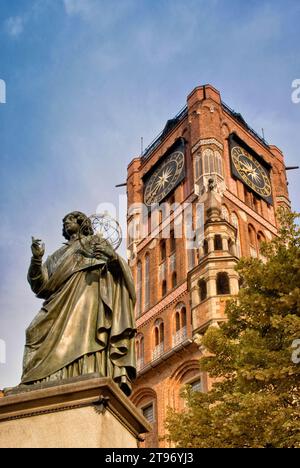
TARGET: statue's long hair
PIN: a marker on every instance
(80, 218)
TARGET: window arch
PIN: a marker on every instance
(139, 289)
(252, 240)
(163, 250)
(183, 317)
(180, 324)
(177, 321)
(202, 289)
(260, 240)
(223, 284)
(208, 164)
(251, 232)
(147, 281)
(218, 164)
(174, 279)
(256, 204)
(159, 336)
(218, 242)
(164, 288)
(260, 237)
(212, 162)
(248, 197)
(172, 241)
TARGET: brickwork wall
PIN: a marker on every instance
(207, 125)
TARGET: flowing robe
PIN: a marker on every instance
(86, 323)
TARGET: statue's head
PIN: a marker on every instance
(73, 222)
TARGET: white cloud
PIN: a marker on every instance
(82, 8)
(14, 26)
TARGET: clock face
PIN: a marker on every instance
(251, 172)
(165, 178)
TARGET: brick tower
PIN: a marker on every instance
(202, 195)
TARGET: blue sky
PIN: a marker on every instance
(87, 78)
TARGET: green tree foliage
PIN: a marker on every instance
(255, 401)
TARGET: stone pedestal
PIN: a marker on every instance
(90, 412)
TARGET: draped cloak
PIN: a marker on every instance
(86, 323)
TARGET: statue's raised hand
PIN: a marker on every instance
(37, 248)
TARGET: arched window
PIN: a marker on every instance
(183, 317)
(180, 325)
(218, 164)
(198, 166)
(208, 164)
(260, 239)
(235, 222)
(161, 333)
(202, 289)
(174, 279)
(256, 204)
(218, 242)
(158, 338)
(177, 321)
(147, 281)
(163, 250)
(223, 285)
(248, 197)
(139, 289)
(164, 288)
(252, 240)
(172, 241)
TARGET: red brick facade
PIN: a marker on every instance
(181, 293)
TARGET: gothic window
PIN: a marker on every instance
(208, 163)
(196, 386)
(218, 164)
(248, 197)
(202, 289)
(260, 240)
(223, 285)
(252, 241)
(180, 323)
(139, 289)
(164, 288)
(183, 317)
(256, 204)
(218, 242)
(172, 241)
(177, 321)
(163, 250)
(147, 281)
(174, 279)
(158, 338)
(148, 413)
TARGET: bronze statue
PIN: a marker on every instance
(86, 323)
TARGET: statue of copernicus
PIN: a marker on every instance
(86, 323)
